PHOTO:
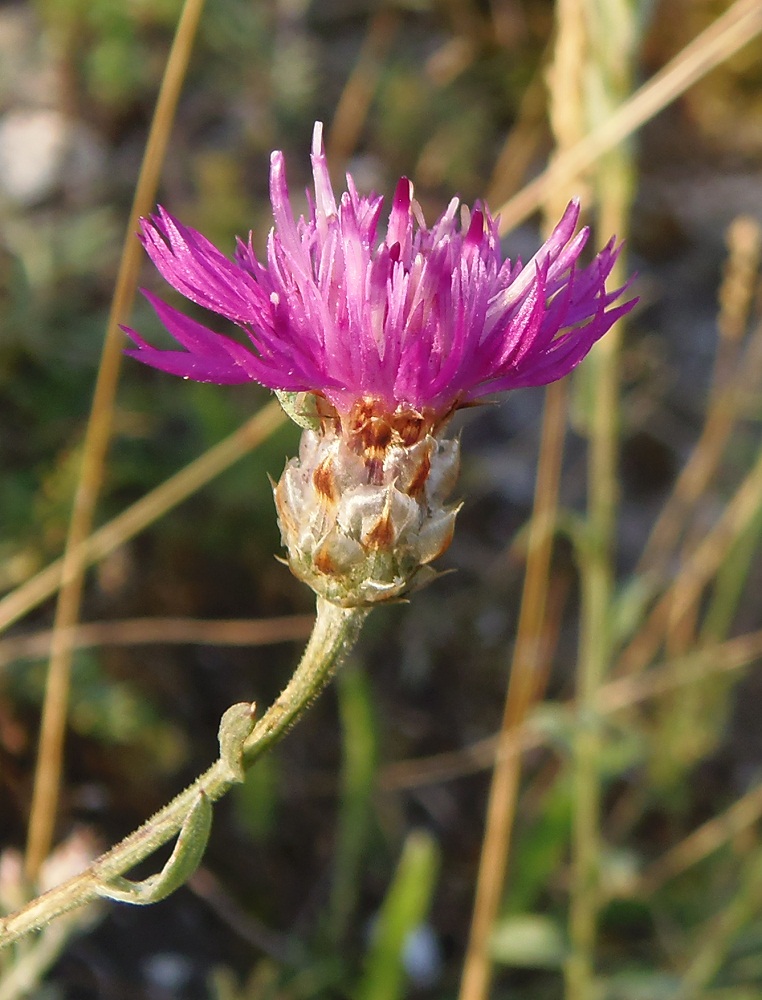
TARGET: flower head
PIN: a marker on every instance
(386, 337)
(420, 320)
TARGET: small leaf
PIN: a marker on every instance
(300, 407)
(403, 911)
(642, 984)
(528, 940)
(236, 726)
(629, 607)
(184, 860)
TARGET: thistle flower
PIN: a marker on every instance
(382, 340)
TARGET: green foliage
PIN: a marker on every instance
(111, 713)
(539, 852)
(116, 58)
(256, 800)
(404, 908)
(528, 940)
(360, 753)
(641, 984)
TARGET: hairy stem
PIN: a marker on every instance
(335, 632)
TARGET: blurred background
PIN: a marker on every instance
(296, 880)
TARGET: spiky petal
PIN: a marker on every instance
(421, 319)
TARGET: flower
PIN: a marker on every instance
(371, 345)
(426, 320)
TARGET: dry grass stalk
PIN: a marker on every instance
(531, 652)
(50, 754)
(723, 38)
(680, 599)
(354, 104)
(614, 696)
(145, 631)
(736, 298)
(529, 671)
(711, 944)
(145, 511)
(702, 842)
(523, 142)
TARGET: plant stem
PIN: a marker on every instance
(728, 34)
(336, 630)
(594, 655)
(526, 670)
(145, 511)
(47, 778)
(611, 34)
(719, 932)
(565, 111)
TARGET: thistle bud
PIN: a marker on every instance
(362, 509)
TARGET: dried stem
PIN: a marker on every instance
(614, 696)
(681, 598)
(732, 31)
(146, 631)
(527, 664)
(523, 142)
(53, 725)
(145, 511)
(565, 88)
(725, 401)
(713, 942)
(352, 108)
(702, 842)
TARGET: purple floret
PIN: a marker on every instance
(423, 319)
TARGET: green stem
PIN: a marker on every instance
(336, 630)
(612, 36)
(720, 931)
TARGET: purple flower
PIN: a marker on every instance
(423, 319)
(387, 337)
